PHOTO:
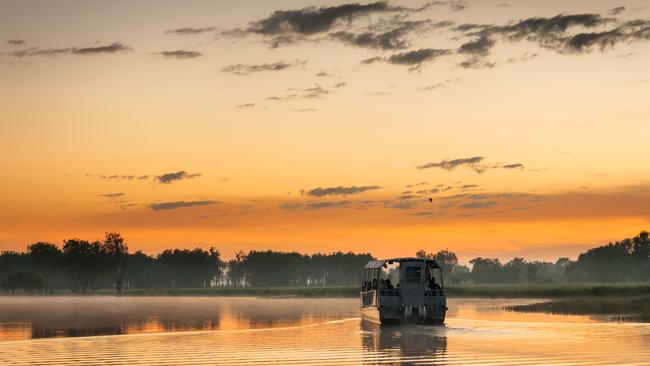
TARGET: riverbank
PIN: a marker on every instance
(545, 291)
(635, 308)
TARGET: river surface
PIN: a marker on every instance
(257, 331)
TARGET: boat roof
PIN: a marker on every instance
(380, 263)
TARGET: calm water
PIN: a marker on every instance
(233, 331)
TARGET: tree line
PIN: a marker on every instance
(626, 260)
(82, 266)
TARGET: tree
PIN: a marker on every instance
(46, 260)
(28, 281)
(84, 263)
(116, 252)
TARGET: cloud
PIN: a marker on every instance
(340, 191)
(304, 110)
(180, 204)
(417, 57)
(476, 163)
(477, 205)
(114, 47)
(617, 10)
(393, 38)
(190, 30)
(442, 84)
(512, 166)
(401, 204)
(143, 177)
(323, 74)
(172, 177)
(112, 195)
(472, 162)
(313, 20)
(181, 54)
(246, 69)
(16, 42)
(292, 206)
(246, 105)
(314, 92)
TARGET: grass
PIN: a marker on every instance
(630, 308)
(548, 290)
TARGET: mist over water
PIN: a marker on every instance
(233, 331)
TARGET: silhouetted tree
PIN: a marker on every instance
(28, 281)
(116, 252)
(46, 260)
(84, 263)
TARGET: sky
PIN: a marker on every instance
(492, 128)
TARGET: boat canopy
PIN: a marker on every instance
(380, 263)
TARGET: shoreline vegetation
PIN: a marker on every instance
(521, 291)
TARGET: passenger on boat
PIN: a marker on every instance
(434, 286)
(389, 286)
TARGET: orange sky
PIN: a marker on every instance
(524, 122)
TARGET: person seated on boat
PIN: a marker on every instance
(389, 286)
(374, 284)
(434, 286)
(382, 284)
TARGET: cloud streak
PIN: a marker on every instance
(180, 204)
(340, 191)
(114, 47)
(168, 178)
(247, 69)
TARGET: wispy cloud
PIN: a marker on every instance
(180, 204)
(181, 54)
(168, 178)
(114, 47)
(340, 190)
(247, 69)
(186, 31)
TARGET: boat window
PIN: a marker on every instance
(413, 274)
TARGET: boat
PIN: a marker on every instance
(403, 290)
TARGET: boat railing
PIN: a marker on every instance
(369, 298)
(389, 292)
(434, 292)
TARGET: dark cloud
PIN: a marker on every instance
(340, 191)
(304, 110)
(114, 47)
(428, 213)
(513, 166)
(308, 21)
(190, 31)
(476, 163)
(391, 39)
(16, 42)
(472, 163)
(246, 105)
(246, 69)
(617, 10)
(417, 57)
(480, 46)
(177, 176)
(181, 54)
(143, 177)
(323, 74)
(180, 204)
(314, 92)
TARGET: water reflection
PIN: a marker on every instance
(44, 317)
(301, 332)
(404, 342)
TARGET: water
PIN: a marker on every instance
(234, 331)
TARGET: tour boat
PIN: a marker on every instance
(403, 290)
